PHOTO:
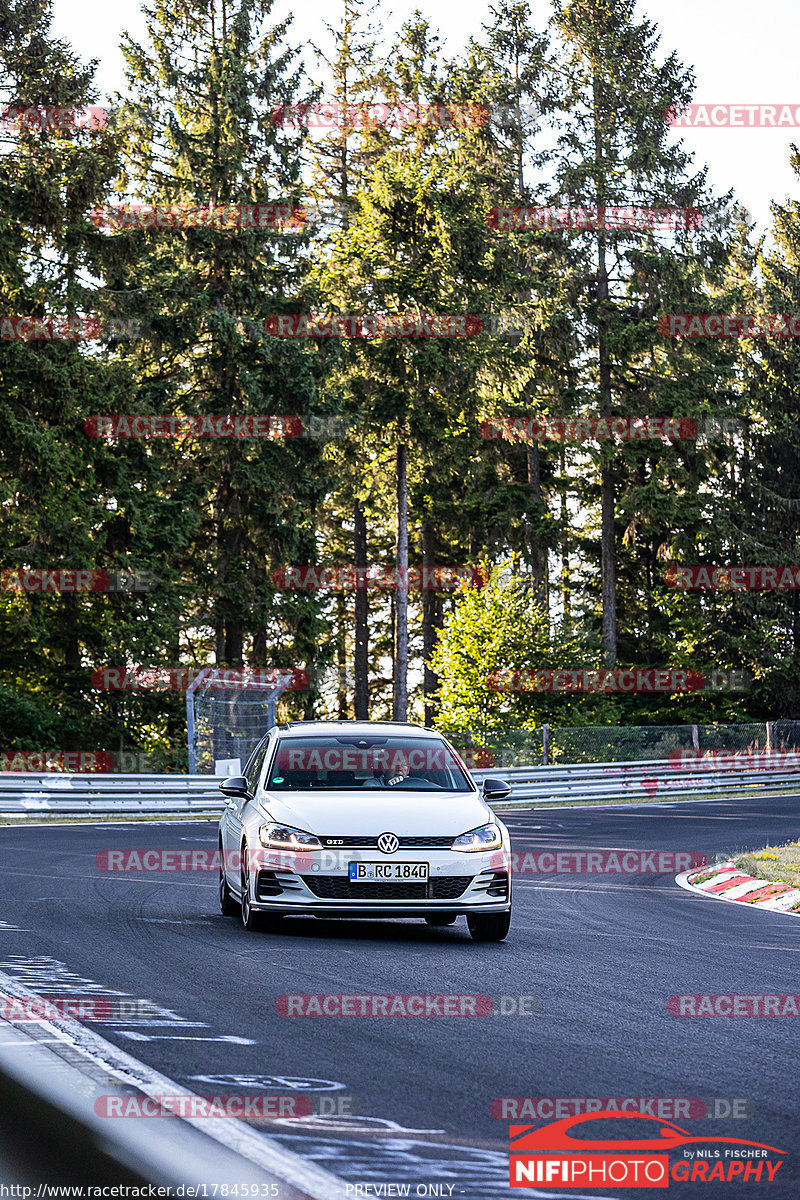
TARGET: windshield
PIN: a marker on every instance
(370, 761)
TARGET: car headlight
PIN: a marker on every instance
(485, 837)
(284, 837)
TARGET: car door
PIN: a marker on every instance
(233, 816)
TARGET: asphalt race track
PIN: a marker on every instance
(601, 953)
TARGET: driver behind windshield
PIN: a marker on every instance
(319, 763)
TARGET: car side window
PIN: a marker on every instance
(253, 768)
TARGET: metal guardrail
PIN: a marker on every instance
(51, 793)
(25, 795)
(632, 781)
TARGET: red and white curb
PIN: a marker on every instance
(725, 881)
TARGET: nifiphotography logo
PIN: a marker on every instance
(564, 1154)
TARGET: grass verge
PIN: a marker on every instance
(778, 864)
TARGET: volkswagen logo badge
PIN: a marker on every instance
(388, 843)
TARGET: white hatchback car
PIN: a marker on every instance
(363, 819)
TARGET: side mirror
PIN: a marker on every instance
(495, 789)
(234, 786)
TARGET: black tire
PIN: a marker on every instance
(254, 922)
(251, 920)
(441, 919)
(229, 906)
(488, 927)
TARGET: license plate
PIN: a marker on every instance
(376, 872)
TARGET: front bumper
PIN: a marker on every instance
(457, 883)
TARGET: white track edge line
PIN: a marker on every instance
(230, 1132)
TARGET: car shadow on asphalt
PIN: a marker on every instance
(378, 930)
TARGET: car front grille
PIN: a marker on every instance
(371, 843)
(339, 887)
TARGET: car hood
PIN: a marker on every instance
(369, 813)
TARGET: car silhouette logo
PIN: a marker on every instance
(388, 843)
(555, 1137)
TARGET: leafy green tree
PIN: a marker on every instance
(493, 631)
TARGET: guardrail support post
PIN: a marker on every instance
(190, 730)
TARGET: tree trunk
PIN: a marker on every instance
(538, 557)
(361, 649)
(341, 657)
(430, 680)
(234, 642)
(566, 585)
(400, 708)
(608, 549)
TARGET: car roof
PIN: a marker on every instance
(367, 728)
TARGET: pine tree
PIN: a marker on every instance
(207, 125)
(615, 150)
